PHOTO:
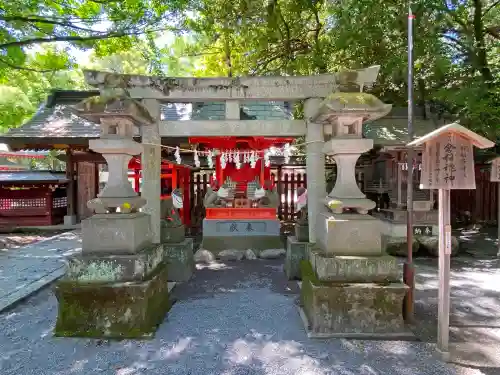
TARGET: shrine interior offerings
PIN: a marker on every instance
(241, 203)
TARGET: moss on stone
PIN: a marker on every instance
(107, 271)
(115, 310)
(353, 98)
(307, 272)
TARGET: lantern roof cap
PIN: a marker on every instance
(476, 139)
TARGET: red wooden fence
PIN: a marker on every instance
(480, 203)
(287, 181)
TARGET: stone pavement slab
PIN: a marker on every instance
(25, 270)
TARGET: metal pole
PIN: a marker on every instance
(408, 270)
(498, 219)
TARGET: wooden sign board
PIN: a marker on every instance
(448, 163)
(495, 170)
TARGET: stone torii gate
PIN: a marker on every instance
(116, 288)
(233, 91)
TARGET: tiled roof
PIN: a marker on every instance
(217, 111)
(6, 164)
(392, 130)
(55, 119)
(32, 176)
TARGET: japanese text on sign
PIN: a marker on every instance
(422, 230)
(495, 170)
(448, 163)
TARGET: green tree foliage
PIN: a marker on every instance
(22, 91)
(107, 26)
(456, 46)
(149, 56)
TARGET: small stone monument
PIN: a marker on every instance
(302, 224)
(296, 246)
(117, 287)
(350, 287)
(178, 249)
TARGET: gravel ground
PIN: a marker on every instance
(237, 318)
(17, 240)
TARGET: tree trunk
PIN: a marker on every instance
(481, 57)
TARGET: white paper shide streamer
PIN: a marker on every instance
(223, 160)
(286, 153)
(196, 159)
(237, 160)
(267, 159)
(253, 159)
(210, 159)
(177, 155)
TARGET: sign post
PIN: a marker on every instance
(495, 177)
(447, 163)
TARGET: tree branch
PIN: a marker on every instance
(493, 31)
(65, 23)
(6, 63)
(76, 38)
(492, 6)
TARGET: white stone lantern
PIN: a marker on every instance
(346, 112)
(119, 117)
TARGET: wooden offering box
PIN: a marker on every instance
(240, 213)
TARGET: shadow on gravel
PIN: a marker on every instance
(227, 277)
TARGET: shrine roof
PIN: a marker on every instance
(56, 123)
(32, 176)
(55, 120)
(392, 130)
(476, 139)
(6, 165)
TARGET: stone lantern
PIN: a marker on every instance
(350, 287)
(117, 287)
(346, 112)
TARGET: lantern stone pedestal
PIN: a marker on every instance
(302, 232)
(180, 260)
(178, 249)
(172, 234)
(350, 287)
(296, 252)
(118, 286)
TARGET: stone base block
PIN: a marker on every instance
(172, 234)
(296, 252)
(398, 246)
(69, 220)
(256, 243)
(354, 269)
(114, 310)
(180, 260)
(99, 268)
(116, 233)
(364, 309)
(349, 234)
(302, 233)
